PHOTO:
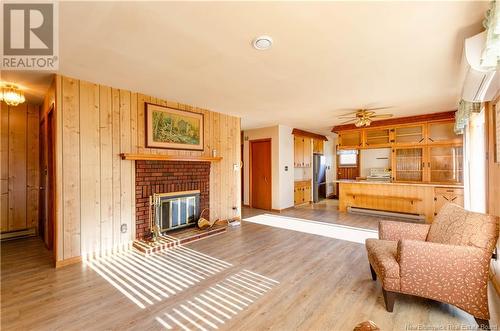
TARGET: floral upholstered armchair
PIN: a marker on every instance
(447, 260)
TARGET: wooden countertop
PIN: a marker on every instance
(350, 181)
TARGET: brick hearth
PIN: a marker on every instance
(165, 177)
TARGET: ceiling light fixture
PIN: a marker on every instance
(11, 94)
(262, 43)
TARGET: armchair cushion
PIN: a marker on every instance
(382, 257)
(395, 230)
(456, 226)
(454, 274)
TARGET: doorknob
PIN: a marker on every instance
(265, 179)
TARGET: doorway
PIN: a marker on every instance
(347, 166)
(46, 222)
(260, 174)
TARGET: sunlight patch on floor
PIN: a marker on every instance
(342, 232)
(219, 303)
(147, 279)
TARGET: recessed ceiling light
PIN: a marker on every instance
(262, 43)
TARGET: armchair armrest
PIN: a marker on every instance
(454, 274)
(391, 230)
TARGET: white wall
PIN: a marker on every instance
(331, 164)
(374, 158)
(282, 150)
(286, 158)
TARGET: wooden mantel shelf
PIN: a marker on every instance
(160, 157)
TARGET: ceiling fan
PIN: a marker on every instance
(363, 116)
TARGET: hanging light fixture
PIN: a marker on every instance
(11, 94)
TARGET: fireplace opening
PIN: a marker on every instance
(175, 210)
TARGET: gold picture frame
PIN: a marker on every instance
(172, 128)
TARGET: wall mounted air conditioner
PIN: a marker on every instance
(480, 84)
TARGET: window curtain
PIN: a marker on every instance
(475, 163)
(490, 57)
(463, 114)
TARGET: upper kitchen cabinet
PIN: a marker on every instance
(302, 152)
(318, 146)
(298, 151)
(377, 137)
(350, 139)
(305, 145)
(410, 134)
(442, 132)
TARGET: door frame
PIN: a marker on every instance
(250, 183)
(51, 180)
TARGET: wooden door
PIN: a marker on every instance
(260, 174)
(307, 152)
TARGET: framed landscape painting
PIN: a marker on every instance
(173, 128)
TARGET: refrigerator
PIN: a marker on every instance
(319, 177)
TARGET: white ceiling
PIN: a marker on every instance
(326, 55)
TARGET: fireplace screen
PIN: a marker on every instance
(176, 210)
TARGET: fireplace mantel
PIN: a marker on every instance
(160, 157)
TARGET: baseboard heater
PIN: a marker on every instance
(17, 234)
(376, 212)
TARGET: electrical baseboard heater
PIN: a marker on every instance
(18, 234)
(383, 213)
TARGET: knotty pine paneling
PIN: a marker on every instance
(19, 167)
(97, 124)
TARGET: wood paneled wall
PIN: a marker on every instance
(19, 168)
(493, 180)
(96, 191)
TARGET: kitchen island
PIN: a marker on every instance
(412, 199)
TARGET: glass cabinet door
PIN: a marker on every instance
(442, 132)
(374, 137)
(446, 164)
(409, 134)
(408, 164)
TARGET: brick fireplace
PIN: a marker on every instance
(166, 177)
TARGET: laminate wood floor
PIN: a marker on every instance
(252, 277)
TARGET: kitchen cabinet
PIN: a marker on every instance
(302, 192)
(445, 164)
(444, 195)
(411, 134)
(408, 164)
(377, 137)
(298, 151)
(302, 152)
(318, 146)
(442, 132)
(350, 139)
